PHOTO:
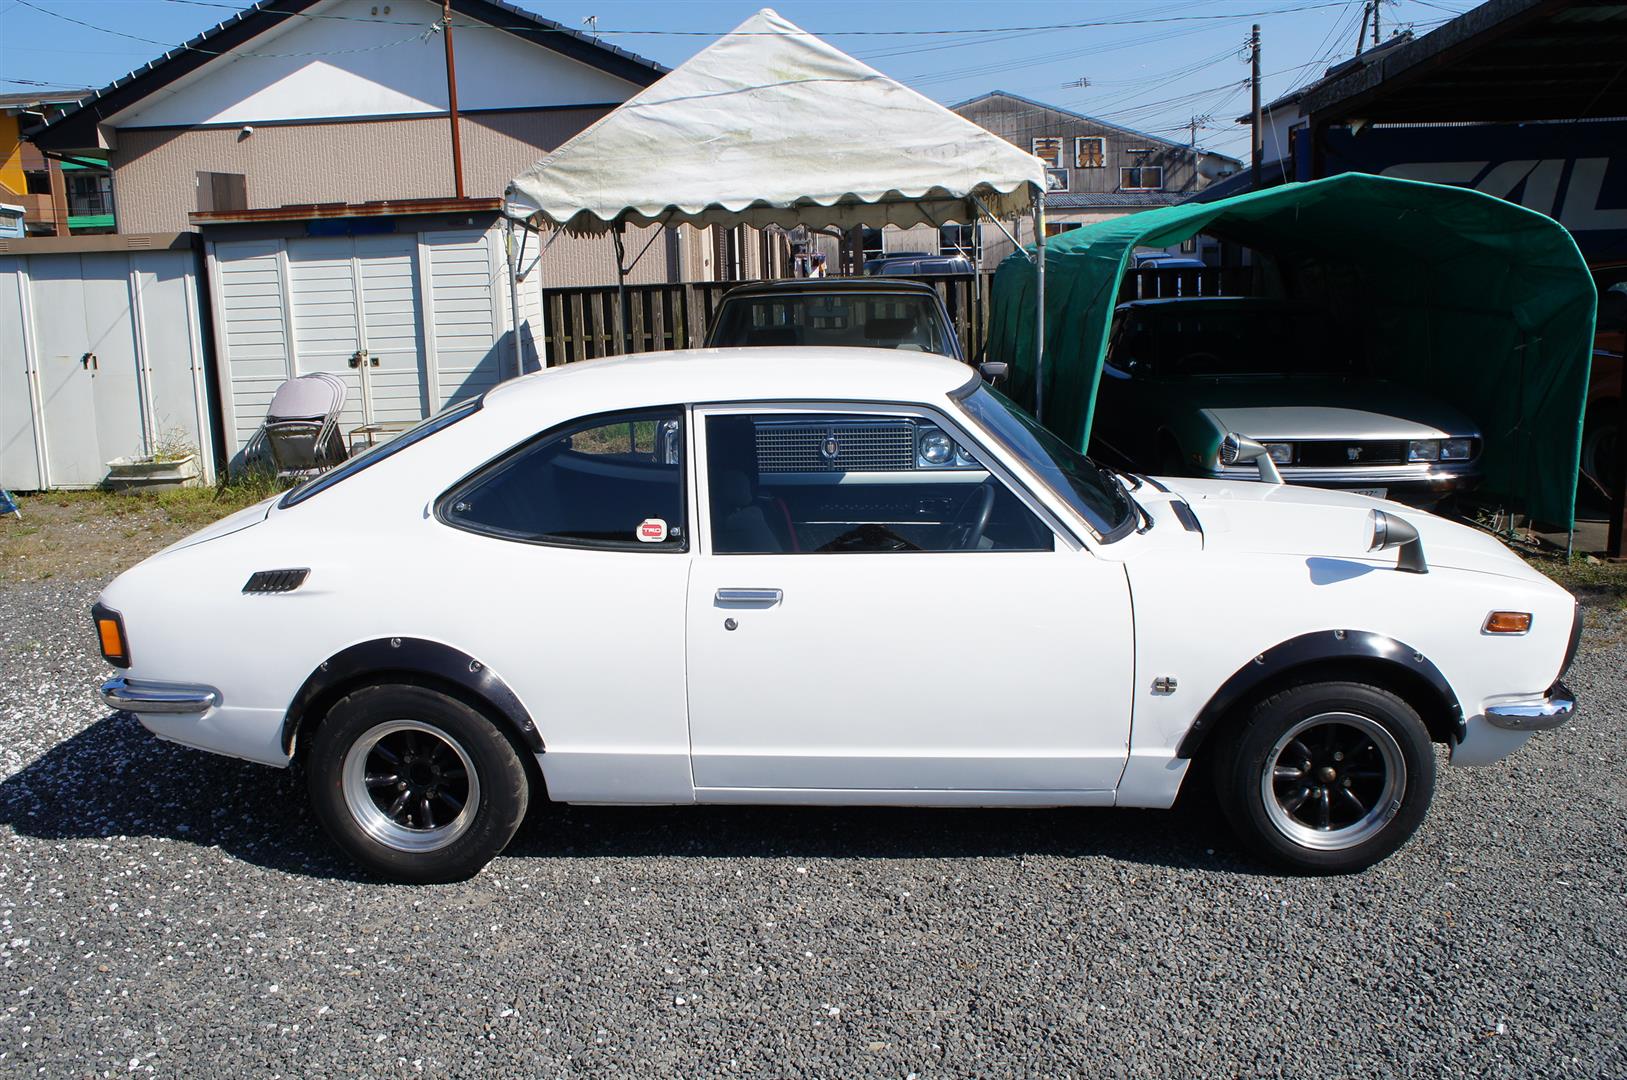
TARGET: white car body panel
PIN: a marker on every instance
(963, 678)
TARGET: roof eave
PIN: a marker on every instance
(76, 128)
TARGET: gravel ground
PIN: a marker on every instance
(167, 911)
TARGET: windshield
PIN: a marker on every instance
(1179, 340)
(875, 320)
(1096, 496)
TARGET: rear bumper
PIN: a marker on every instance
(1537, 713)
(131, 696)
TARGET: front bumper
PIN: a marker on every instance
(1537, 713)
(1417, 485)
(132, 696)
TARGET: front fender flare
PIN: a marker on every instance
(1321, 647)
(382, 658)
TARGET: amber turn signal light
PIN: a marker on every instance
(110, 635)
(1508, 622)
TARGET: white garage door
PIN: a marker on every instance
(411, 322)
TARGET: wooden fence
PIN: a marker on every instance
(581, 322)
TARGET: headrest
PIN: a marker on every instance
(730, 488)
(889, 329)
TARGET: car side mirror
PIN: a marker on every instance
(1387, 532)
(1238, 449)
(993, 369)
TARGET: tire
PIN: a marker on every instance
(1171, 462)
(1599, 437)
(1360, 752)
(415, 786)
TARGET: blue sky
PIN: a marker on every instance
(1152, 64)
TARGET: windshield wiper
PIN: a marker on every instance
(1126, 480)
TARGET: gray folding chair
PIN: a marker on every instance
(302, 425)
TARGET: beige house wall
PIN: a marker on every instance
(155, 175)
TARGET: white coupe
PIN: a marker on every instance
(826, 576)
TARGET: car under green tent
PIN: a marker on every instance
(1476, 300)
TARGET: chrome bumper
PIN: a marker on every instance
(139, 697)
(1534, 713)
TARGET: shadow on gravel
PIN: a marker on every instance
(115, 779)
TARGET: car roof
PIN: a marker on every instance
(864, 284)
(789, 373)
(1207, 301)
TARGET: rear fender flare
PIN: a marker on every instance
(405, 658)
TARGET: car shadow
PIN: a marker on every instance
(114, 779)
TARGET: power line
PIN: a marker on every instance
(601, 32)
(430, 28)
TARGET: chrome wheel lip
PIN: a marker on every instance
(374, 821)
(1384, 806)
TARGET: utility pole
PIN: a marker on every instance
(452, 99)
(1254, 85)
(1375, 22)
(1361, 35)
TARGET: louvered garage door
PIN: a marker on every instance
(412, 322)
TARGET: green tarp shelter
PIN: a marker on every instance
(1482, 303)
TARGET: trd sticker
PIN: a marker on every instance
(652, 530)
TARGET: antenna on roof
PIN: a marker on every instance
(592, 23)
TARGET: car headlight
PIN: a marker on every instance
(1457, 449)
(1424, 450)
(934, 447)
(964, 456)
(1281, 452)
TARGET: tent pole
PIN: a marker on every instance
(621, 291)
(1039, 307)
(513, 299)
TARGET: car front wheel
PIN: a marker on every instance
(1326, 777)
(414, 785)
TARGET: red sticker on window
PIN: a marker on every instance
(652, 530)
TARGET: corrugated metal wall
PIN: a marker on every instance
(411, 322)
(101, 357)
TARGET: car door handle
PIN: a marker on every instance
(750, 596)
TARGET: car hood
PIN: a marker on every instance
(1317, 408)
(1285, 519)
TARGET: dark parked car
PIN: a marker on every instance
(1183, 373)
(1163, 260)
(1600, 428)
(853, 312)
(918, 265)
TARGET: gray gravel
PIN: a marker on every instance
(166, 911)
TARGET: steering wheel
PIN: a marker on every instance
(973, 518)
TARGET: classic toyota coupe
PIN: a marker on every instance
(826, 576)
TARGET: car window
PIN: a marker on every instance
(1224, 338)
(876, 321)
(607, 482)
(831, 483)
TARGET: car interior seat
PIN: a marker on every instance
(741, 524)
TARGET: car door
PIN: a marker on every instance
(565, 569)
(875, 615)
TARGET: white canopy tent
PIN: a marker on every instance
(770, 125)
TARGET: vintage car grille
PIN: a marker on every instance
(802, 447)
(1338, 454)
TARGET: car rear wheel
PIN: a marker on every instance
(415, 785)
(1326, 777)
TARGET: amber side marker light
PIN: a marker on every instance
(1508, 622)
(110, 634)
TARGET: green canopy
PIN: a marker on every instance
(1480, 302)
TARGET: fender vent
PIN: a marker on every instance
(276, 581)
